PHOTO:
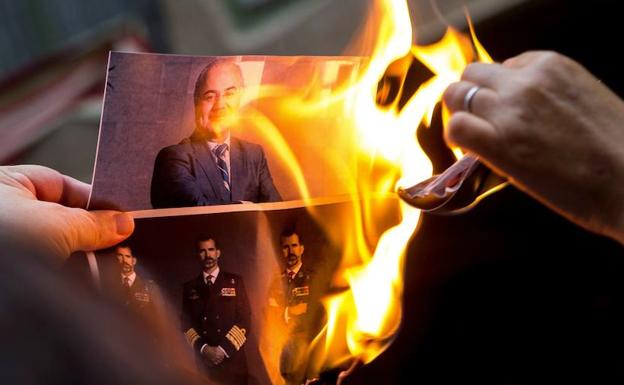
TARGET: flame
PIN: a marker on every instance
(369, 312)
(363, 319)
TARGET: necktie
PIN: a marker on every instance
(126, 282)
(209, 280)
(219, 152)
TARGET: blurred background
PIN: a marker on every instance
(508, 293)
(54, 54)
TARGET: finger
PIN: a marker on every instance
(523, 59)
(483, 103)
(489, 75)
(471, 133)
(51, 186)
(81, 230)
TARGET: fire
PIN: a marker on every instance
(363, 319)
(371, 308)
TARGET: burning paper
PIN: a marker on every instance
(272, 134)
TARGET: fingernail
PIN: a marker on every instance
(125, 223)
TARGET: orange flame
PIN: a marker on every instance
(368, 314)
(364, 318)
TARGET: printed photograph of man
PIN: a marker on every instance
(216, 318)
(211, 167)
(127, 288)
(289, 300)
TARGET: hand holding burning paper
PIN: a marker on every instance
(553, 128)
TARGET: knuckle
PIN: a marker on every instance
(470, 71)
(552, 70)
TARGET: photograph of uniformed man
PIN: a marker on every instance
(289, 301)
(212, 167)
(126, 287)
(216, 317)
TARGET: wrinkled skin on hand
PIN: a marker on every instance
(553, 129)
(45, 209)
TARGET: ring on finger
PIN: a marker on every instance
(469, 97)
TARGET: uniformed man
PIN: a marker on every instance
(289, 301)
(216, 318)
(128, 288)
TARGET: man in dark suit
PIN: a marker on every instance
(216, 318)
(290, 304)
(211, 167)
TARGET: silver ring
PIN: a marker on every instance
(469, 96)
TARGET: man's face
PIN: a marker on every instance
(292, 250)
(126, 260)
(219, 100)
(208, 254)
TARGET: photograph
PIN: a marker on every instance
(185, 131)
(237, 294)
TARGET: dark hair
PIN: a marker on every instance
(289, 231)
(201, 78)
(207, 237)
(126, 245)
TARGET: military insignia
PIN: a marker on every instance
(237, 337)
(301, 291)
(191, 336)
(143, 297)
(228, 292)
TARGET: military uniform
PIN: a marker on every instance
(218, 315)
(287, 292)
(136, 299)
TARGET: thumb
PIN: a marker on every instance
(82, 230)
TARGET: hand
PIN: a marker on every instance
(213, 354)
(45, 208)
(553, 129)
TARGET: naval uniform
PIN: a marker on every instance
(292, 288)
(218, 314)
(134, 294)
(288, 289)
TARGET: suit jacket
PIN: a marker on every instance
(218, 315)
(186, 174)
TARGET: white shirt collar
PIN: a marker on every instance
(212, 145)
(294, 269)
(214, 273)
(131, 278)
